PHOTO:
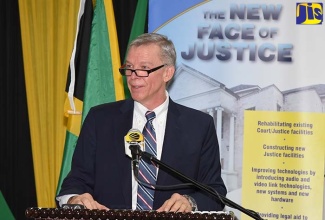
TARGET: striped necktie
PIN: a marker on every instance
(147, 172)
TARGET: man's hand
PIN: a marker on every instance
(176, 203)
(86, 200)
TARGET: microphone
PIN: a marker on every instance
(147, 156)
(134, 141)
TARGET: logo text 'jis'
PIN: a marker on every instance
(309, 13)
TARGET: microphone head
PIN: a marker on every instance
(134, 136)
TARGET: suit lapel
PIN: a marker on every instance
(171, 140)
(123, 124)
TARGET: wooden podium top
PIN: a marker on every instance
(95, 214)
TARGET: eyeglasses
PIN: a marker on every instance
(138, 72)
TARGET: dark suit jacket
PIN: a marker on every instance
(101, 168)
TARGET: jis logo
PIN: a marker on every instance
(309, 13)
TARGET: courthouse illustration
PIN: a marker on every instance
(227, 105)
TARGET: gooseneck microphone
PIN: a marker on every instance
(138, 153)
(135, 141)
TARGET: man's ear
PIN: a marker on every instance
(169, 73)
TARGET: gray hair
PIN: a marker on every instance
(167, 48)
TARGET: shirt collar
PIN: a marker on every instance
(158, 111)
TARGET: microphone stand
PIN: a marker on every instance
(136, 152)
(203, 187)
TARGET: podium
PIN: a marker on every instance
(36, 213)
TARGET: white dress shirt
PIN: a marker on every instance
(159, 123)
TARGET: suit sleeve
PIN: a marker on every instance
(81, 177)
(210, 172)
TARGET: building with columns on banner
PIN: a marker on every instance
(227, 105)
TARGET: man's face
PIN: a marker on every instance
(149, 91)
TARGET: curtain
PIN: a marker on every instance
(16, 174)
(36, 39)
(47, 30)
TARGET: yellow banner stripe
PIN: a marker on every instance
(115, 53)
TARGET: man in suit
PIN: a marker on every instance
(101, 174)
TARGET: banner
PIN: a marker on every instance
(255, 67)
(283, 164)
(75, 86)
(97, 79)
